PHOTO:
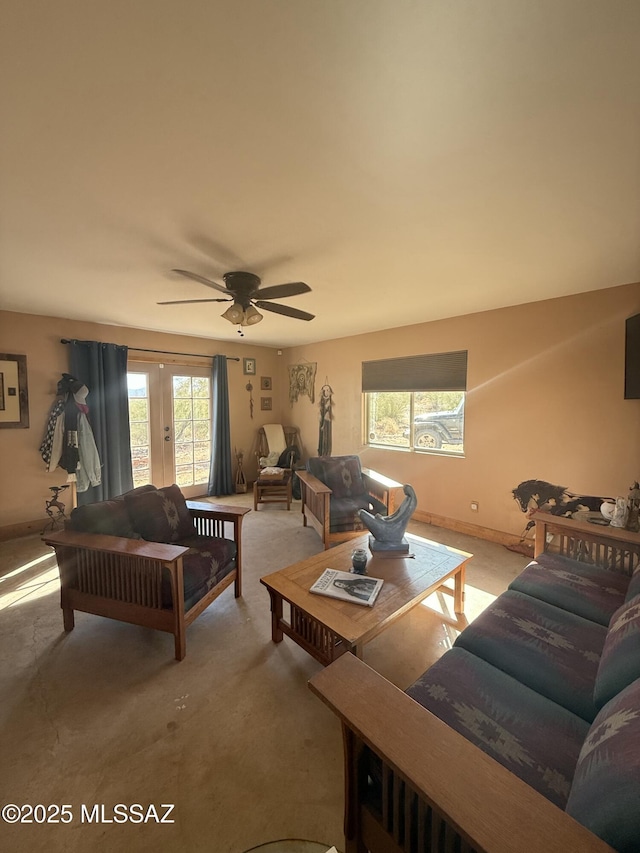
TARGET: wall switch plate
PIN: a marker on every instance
(474, 506)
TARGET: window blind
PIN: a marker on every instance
(442, 371)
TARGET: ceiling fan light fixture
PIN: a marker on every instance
(251, 316)
(234, 314)
(245, 292)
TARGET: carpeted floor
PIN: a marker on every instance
(231, 736)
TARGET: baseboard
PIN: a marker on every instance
(476, 530)
(29, 528)
(22, 528)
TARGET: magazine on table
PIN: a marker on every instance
(359, 589)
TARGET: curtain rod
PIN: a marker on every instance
(167, 352)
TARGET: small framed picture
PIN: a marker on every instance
(249, 366)
(265, 383)
(265, 404)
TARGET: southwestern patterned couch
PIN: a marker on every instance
(526, 734)
(148, 557)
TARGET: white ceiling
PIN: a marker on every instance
(408, 159)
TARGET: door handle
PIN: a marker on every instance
(167, 438)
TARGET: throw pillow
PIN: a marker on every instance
(343, 475)
(605, 791)
(161, 515)
(620, 659)
(107, 517)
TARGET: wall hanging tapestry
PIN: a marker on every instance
(302, 379)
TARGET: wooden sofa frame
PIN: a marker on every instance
(440, 793)
(315, 503)
(122, 578)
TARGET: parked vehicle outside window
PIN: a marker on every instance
(435, 430)
(418, 420)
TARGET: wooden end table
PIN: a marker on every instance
(269, 491)
(327, 627)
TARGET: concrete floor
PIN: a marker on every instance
(231, 736)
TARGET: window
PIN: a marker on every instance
(170, 420)
(192, 428)
(416, 402)
(138, 385)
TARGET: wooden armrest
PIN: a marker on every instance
(611, 548)
(385, 482)
(313, 483)
(573, 526)
(487, 804)
(116, 545)
(384, 489)
(224, 512)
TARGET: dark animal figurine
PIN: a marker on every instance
(54, 503)
(533, 495)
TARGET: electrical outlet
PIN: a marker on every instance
(474, 506)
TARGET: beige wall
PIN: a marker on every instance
(545, 400)
(24, 481)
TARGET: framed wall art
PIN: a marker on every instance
(266, 404)
(265, 383)
(249, 366)
(14, 395)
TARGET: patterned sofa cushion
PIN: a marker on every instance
(634, 585)
(587, 591)
(205, 564)
(160, 515)
(609, 763)
(544, 647)
(107, 517)
(342, 474)
(531, 736)
(620, 661)
(344, 511)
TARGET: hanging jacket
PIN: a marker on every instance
(88, 472)
(68, 442)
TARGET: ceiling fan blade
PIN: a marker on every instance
(186, 301)
(202, 280)
(279, 291)
(284, 309)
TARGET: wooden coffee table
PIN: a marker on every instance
(327, 628)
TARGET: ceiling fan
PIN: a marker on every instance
(244, 291)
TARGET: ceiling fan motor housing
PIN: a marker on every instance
(247, 296)
(243, 285)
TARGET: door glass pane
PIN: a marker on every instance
(192, 428)
(138, 390)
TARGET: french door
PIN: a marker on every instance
(170, 420)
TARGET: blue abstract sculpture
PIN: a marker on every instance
(388, 531)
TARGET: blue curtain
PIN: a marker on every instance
(103, 369)
(220, 472)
